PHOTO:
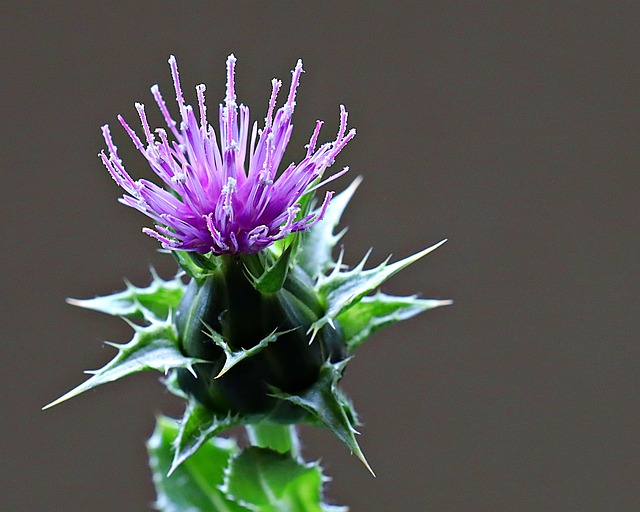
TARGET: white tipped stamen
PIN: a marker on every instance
(228, 191)
(113, 149)
(268, 163)
(176, 84)
(275, 88)
(339, 146)
(145, 124)
(230, 102)
(295, 80)
(343, 123)
(231, 93)
(163, 149)
(136, 141)
(200, 89)
(311, 147)
(155, 91)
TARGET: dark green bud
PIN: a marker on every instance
(223, 314)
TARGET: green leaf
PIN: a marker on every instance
(326, 403)
(197, 426)
(344, 289)
(374, 312)
(153, 302)
(268, 481)
(196, 265)
(195, 485)
(273, 275)
(153, 347)
(318, 243)
(278, 437)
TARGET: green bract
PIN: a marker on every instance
(257, 339)
(224, 478)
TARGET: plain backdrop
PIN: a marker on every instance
(511, 128)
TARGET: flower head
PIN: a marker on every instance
(225, 194)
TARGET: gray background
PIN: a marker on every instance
(509, 127)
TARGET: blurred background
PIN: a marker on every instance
(511, 128)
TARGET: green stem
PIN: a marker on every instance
(281, 438)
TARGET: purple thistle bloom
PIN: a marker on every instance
(217, 202)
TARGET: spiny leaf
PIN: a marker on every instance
(197, 426)
(170, 381)
(195, 485)
(275, 436)
(328, 406)
(343, 289)
(233, 357)
(153, 347)
(374, 312)
(317, 244)
(268, 481)
(152, 302)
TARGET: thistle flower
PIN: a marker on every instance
(260, 336)
(226, 196)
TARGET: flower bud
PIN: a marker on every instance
(223, 313)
